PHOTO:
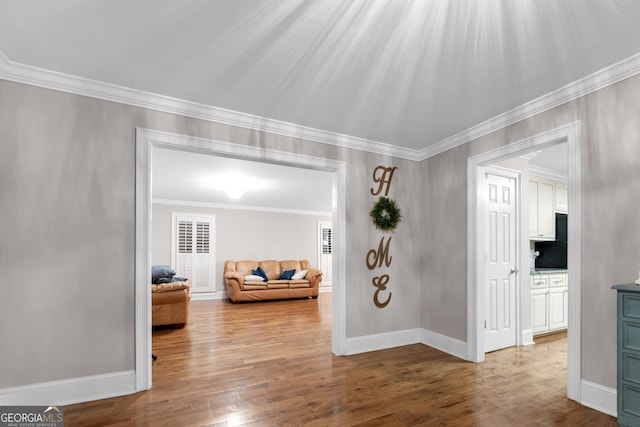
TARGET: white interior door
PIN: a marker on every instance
(500, 269)
(325, 245)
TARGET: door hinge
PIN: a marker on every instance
(485, 324)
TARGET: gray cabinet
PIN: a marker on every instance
(628, 354)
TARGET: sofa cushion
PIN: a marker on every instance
(299, 284)
(260, 272)
(300, 275)
(271, 268)
(278, 284)
(290, 264)
(287, 274)
(173, 286)
(245, 267)
(254, 286)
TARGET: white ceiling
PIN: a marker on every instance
(405, 73)
(199, 179)
(553, 160)
(408, 73)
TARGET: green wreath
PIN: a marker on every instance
(385, 214)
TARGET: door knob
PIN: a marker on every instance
(513, 271)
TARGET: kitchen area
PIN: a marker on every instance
(549, 278)
(543, 286)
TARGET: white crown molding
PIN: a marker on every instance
(22, 73)
(530, 156)
(615, 73)
(40, 77)
(238, 207)
(547, 173)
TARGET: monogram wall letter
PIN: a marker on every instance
(381, 284)
(381, 255)
(383, 176)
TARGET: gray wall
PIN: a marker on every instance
(610, 190)
(405, 249)
(67, 247)
(67, 180)
(243, 234)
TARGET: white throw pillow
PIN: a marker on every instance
(254, 277)
(299, 275)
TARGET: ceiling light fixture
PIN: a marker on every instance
(235, 190)
(234, 184)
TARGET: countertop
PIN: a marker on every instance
(627, 287)
(547, 271)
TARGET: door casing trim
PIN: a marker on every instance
(570, 134)
(146, 141)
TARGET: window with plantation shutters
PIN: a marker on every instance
(185, 237)
(202, 237)
(326, 241)
(193, 250)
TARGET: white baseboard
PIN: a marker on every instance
(383, 341)
(444, 343)
(599, 397)
(325, 289)
(70, 391)
(387, 340)
(527, 337)
(203, 296)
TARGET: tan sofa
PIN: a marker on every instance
(239, 289)
(170, 303)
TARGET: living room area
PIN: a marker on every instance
(207, 210)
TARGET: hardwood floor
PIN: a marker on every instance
(270, 364)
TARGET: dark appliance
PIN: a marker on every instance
(554, 254)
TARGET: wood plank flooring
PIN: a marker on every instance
(270, 364)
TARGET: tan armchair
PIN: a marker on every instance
(170, 303)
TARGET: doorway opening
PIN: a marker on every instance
(569, 134)
(148, 140)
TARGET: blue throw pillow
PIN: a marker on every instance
(260, 272)
(161, 271)
(287, 274)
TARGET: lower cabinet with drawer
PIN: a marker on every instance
(628, 354)
(549, 302)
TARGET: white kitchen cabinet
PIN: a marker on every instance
(558, 307)
(549, 302)
(562, 198)
(542, 215)
(539, 311)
